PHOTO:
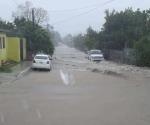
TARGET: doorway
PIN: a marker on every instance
(21, 50)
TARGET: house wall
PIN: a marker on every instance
(13, 49)
(3, 46)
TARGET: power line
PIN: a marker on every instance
(68, 19)
(75, 9)
(89, 11)
(81, 8)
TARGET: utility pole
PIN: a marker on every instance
(33, 18)
(33, 27)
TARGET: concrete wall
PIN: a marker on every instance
(13, 49)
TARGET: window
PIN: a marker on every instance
(41, 57)
(3, 42)
(95, 52)
(0, 43)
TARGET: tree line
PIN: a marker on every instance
(122, 29)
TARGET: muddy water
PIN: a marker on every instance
(72, 95)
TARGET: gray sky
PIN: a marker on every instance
(73, 16)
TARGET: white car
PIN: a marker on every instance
(42, 61)
(95, 55)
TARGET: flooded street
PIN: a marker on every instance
(73, 94)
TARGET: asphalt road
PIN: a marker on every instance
(72, 95)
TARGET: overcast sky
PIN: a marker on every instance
(74, 16)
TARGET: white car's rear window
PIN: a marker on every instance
(95, 52)
(41, 57)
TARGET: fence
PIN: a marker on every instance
(125, 56)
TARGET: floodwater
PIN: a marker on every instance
(73, 95)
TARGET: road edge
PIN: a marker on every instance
(17, 76)
(23, 72)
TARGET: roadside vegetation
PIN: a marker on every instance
(122, 30)
(7, 67)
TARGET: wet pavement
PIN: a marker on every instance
(16, 71)
(73, 95)
(21, 66)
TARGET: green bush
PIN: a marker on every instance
(5, 69)
(142, 48)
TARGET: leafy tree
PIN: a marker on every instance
(6, 25)
(125, 27)
(90, 38)
(38, 38)
(42, 41)
(79, 42)
(142, 48)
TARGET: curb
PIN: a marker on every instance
(22, 73)
(19, 75)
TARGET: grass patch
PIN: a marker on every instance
(6, 68)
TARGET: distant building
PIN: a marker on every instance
(12, 47)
